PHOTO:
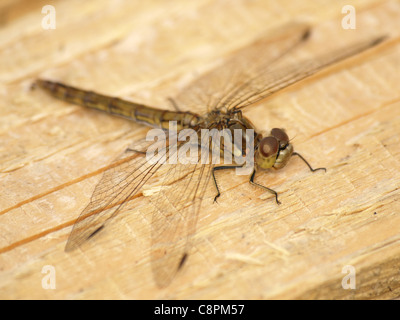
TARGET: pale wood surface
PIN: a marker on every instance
(53, 153)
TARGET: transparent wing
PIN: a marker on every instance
(258, 70)
(119, 184)
(175, 206)
(213, 89)
(269, 81)
(175, 214)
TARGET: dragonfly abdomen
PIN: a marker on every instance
(116, 106)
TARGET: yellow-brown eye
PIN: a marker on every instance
(281, 136)
(268, 146)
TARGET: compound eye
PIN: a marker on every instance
(281, 136)
(268, 146)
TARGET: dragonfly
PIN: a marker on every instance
(215, 100)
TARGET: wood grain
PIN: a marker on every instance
(346, 118)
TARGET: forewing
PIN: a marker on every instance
(270, 80)
(214, 89)
(175, 214)
(258, 70)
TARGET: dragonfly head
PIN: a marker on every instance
(274, 151)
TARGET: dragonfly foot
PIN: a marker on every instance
(313, 170)
(134, 150)
(306, 162)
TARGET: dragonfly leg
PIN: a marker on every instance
(174, 104)
(134, 150)
(305, 161)
(263, 187)
(215, 180)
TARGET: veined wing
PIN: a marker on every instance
(174, 208)
(175, 214)
(125, 177)
(269, 81)
(257, 71)
(213, 88)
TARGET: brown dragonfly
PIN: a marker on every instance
(214, 101)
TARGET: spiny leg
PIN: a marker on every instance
(263, 187)
(174, 104)
(134, 150)
(306, 162)
(215, 180)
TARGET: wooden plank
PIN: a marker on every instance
(53, 153)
